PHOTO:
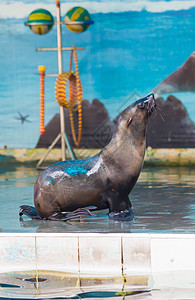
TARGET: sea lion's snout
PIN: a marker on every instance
(148, 102)
(151, 103)
(150, 98)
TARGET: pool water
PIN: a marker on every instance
(163, 201)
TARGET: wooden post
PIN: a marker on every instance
(59, 41)
(70, 66)
(42, 70)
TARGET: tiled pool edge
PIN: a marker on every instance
(110, 253)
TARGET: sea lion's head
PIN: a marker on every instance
(145, 106)
(135, 117)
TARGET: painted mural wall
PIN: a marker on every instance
(132, 49)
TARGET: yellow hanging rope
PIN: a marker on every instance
(75, 95)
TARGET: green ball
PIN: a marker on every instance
(74, 15)
(40, 21)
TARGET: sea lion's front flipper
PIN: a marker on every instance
(126, 215)
(119, 206)
(79, 212)
(29, 211)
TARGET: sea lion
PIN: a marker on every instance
(102, 181)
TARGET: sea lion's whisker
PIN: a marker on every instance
(155, 112)
(161, 116)
(160, 110)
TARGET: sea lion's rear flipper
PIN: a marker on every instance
(29, 211)
(79, 212)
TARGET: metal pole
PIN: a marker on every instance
(59, 40)
(48, 150)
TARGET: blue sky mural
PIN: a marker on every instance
(130, 49)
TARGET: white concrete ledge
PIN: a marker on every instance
(103, 253)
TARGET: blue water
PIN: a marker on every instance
(127, 53)
(162, 199)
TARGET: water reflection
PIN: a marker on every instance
(163, 201)
(101, 223)
(60, 285)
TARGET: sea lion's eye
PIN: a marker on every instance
(141, 105)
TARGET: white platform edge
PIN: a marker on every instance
(110, 253)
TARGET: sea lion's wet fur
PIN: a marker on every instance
(104, 180)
